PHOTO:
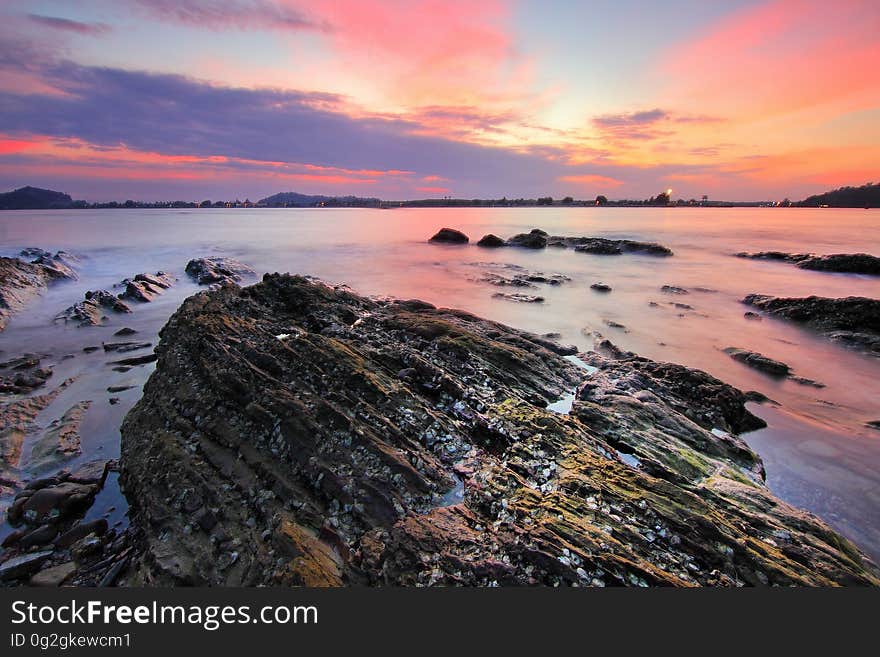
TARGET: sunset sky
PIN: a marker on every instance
(194, 99)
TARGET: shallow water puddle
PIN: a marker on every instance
(564, 404)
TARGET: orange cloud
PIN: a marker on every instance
(592, 180)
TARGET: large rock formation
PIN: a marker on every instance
(854, 321)
(297, 433)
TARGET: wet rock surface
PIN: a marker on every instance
(518, 297)
(449, 236)
(540, 239)
(758, 361)
(91, 311)
(844, 263)
(217, 270)
(20, 281)
(54, 543)
(854, 321)
(297, 433)
(768, 366)
(491, 241)
(146, 287)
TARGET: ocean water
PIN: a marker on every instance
(818, 451)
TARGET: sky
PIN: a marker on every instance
(400, 99)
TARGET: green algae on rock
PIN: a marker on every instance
(297, 433)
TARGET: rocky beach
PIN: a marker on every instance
(292, 431)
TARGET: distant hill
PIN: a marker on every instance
(34, 198)
(866, 196)
(296, 200)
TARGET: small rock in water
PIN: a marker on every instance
(125, 331)
(758, 361)
(673, 289)
(449, 236)
(521, 298)
(207, 271)
(491, 241)
(601, 287)
(753, 316)
(536, 239)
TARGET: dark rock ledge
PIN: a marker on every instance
(296, 433)
(842, 263)
(540, 239)
(853, 321)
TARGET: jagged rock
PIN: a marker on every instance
(491, 241)
(520, 298)
(846, 263)
(61, 441)
(16, 419)
(59, 266)
(526, 279)
(217, 270)
(23, 374)
(21, 281)
(121, 347)
(146, 287)
(449, 236)
(758, 361)
(414, 446)
(90, 311)
(854, 321)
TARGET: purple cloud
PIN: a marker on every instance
(68, 25)
(231, 14)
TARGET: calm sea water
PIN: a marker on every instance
(818, 452)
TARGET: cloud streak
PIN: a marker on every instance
(68, 25)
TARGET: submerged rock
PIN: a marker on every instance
(217, 270)
(854, 321)
(516, 296)
(413, 446)
(846, 263)
(450, 236)
(758, 361)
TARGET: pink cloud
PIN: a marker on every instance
(592, 180)
(781, 56)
